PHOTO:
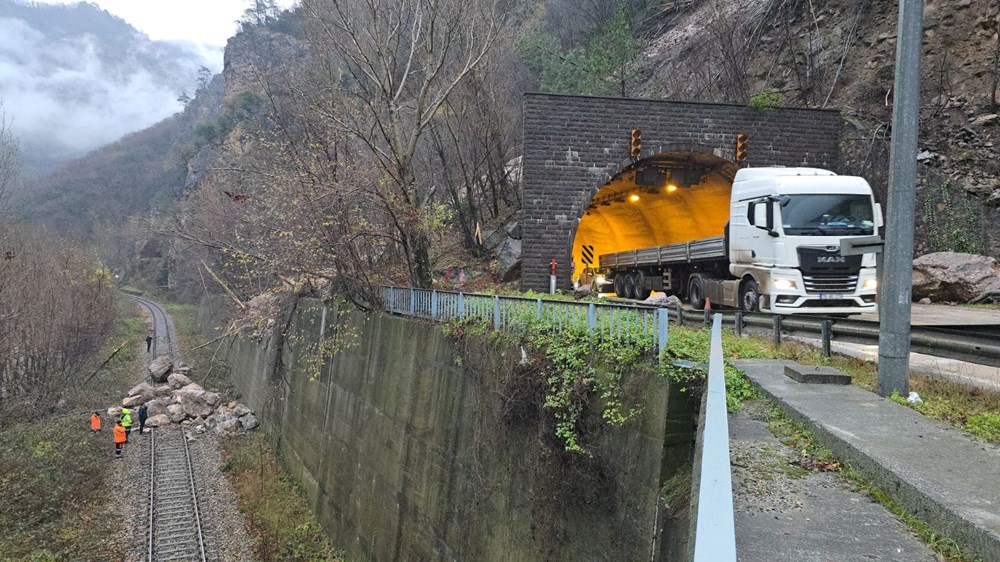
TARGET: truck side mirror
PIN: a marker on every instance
(760, 215)
(879, 220)
(770, 220)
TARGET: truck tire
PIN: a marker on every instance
(696, 292)
(749, 296)
(630, 288)
(638, 282)
(619, 284)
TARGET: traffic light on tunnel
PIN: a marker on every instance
(742, 146)
(635, 147)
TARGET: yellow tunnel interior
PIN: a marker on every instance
(631, 211)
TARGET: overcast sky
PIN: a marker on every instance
(204, 22)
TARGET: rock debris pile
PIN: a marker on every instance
(174, 398)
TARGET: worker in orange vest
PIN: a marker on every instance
(95, 422)
(119, 438)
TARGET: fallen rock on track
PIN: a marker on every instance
(183, 401)
(160, 368)
(178, 380)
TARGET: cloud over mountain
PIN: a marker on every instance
(74, 77)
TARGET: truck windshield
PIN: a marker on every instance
(825, 215)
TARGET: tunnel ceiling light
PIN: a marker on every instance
(633, 198)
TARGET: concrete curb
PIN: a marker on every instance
(954, 491)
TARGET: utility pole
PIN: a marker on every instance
(897, 282)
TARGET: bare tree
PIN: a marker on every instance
(10, 161)
(402, 61)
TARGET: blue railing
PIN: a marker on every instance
(506, 312)
(715, 529)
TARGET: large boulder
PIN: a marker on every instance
(954, 277)
(178, 380)
(212, 398)
(193, 387)
(159, 420)
(160, 368)
(249, 421)
(157, 406)
(133, 401)
(228, 426)
(162, 391)
(509, 260)
(241, 410)
(114, 412)
(176, 413)
(194, 402)
(143, 389)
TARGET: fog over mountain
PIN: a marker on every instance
(74, 77)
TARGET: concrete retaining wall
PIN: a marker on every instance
(387, 440)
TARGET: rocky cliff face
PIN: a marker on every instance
(840, 54)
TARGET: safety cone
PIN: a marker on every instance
(708, 303)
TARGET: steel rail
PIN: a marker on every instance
(152, 492)
(180, 534)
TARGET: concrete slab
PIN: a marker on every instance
(812, 374)
(786, 514)
(938, 473)
(961, 372)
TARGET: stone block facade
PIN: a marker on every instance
(574, 144)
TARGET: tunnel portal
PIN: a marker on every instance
(578, 160)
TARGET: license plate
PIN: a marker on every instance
(827, 296)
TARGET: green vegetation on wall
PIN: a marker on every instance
(953, 220)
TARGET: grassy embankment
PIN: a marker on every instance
(272, 503)
(53, 470)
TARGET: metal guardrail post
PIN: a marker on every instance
(413, 303)
(591, 316)
(434, 305)
(461, 306)
(826, 331)
(680, 315)
(715, 527)
(776, 328)
(496, 312)
(538, 309)
(662, 315)
(739, 322)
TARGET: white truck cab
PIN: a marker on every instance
(785, 231)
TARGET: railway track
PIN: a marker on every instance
(164, 337)
(174, 524)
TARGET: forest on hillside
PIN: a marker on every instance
(352, 143)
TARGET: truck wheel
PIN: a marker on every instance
(630, 288)
(749, 296)
(638, 282)
(696, 292)
(619, 284)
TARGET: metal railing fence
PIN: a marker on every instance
(715, 527)
(616, 320)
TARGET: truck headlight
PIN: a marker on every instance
(786, 284)
(870, 284)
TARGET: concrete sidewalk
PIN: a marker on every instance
(941, 475)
